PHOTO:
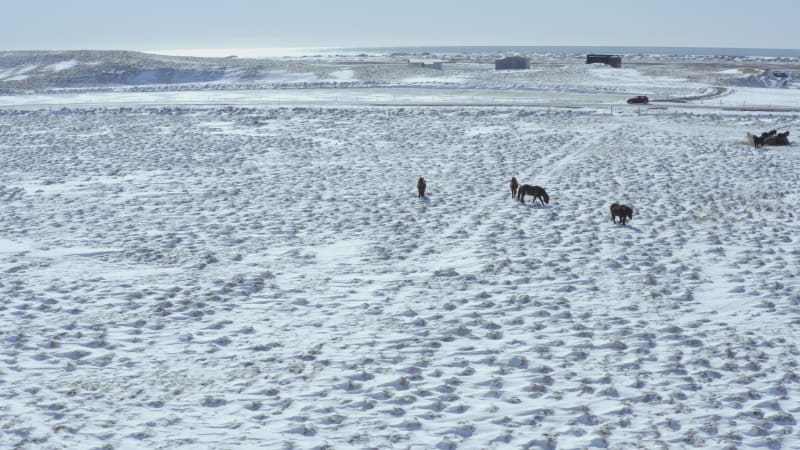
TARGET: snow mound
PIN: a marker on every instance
(141, 76)
(767, 79)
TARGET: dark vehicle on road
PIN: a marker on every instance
(642, 99)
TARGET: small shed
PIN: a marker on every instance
(512, 62)
(611, 60)
(426, 64)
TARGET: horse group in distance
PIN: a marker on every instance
(519, 191)
(771, 137)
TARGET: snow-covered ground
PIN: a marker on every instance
(213, 268)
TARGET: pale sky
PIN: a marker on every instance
(205, 24)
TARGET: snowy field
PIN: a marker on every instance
(227, 272)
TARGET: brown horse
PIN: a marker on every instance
(535, 191)
(421, 187)
(621, 211)
(777, 139)
(771, 137)
(513, 185)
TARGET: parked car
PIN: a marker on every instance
(639, 99)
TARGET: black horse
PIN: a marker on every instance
(621, 211)
(535, 191)
(421, 187)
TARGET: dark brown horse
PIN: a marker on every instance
(621, 211)
(777, 139)
(513, 185)
(421, 187)
(535, 191)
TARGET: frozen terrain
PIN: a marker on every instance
(197, 265)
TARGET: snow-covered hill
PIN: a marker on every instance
(765, 79)
(82, 69)
(657, 76)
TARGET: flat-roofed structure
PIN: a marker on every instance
(611, 60)
(512, 62)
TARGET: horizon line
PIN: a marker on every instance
(291, 51)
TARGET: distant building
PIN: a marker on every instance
(426, 64)
(512, 62)
(611, 60)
